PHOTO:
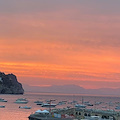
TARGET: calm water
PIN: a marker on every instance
(13, 112)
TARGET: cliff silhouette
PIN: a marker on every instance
(9, 84)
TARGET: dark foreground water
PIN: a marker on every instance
(13, 112)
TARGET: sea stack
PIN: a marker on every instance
(9, 84)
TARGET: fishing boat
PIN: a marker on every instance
(61, 103)
(48, 105)
(2, 106)
(46, 115)
(80, 106)
(24, 107)
(2, 100)
(117, 107)
(39, 102)
(21, 101)
(87, 103)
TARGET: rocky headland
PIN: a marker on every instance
(9, 84)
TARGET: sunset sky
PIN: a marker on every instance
(59, 42)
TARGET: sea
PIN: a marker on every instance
(13, 112)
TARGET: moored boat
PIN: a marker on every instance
(46, 115)
(80, 106)
(38, 102)
(21, 101)
(2, 106)
(24, 107)
(117, 107)
(2, 100)
(48, 105)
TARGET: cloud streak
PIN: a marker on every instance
(61, 40)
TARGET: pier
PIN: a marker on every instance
(77, 114)
(86, 113)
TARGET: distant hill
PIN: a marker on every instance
(72, 89)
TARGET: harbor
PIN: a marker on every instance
(59, 107)
(75, 114)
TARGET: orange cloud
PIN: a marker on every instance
(73, 43)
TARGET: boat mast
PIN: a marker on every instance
(50, 105)
(82, 101)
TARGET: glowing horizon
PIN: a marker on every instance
(61, 42)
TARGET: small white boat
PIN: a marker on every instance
(39, 102)
(61, 103)
(104, 106)
(98, 103)
(2, 106)
(41, 114)
(21, 101)
(25, 107)
(48, 105)
(46, 115)
(2, 100)
(87, 103)
(80, 106)
(117, 107)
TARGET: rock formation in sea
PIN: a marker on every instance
(9, 84)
